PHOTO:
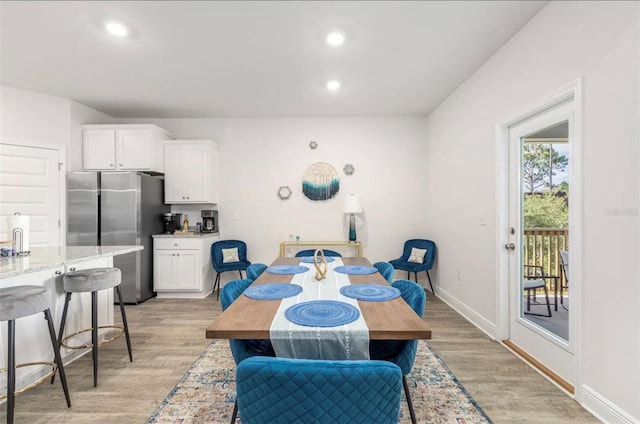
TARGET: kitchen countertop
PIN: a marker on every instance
(42, 258)
(184, 236)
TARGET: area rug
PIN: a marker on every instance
(206, 393)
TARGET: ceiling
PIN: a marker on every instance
(253, 59)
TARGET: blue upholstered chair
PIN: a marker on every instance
(403, 263)
(242, 349)
(402, 353)
(310, 252)
(386, 269)
(255, 270)
(218, 259)
(283, 390)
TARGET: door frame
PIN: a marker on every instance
(574, 90)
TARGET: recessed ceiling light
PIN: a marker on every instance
(117, 29)
(335, 39)
(333, 85)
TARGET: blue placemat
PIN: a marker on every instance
(322, 313)
(287, 269)
(309, 259)
(356, 269)
(272, 291)
(370, 292)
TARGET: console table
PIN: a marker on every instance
(310, 244)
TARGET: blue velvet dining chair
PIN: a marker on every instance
(284, 390)
(416, 264)
(255, 270)
(386, 270)
(224, 258)
(242, 349)
(402, 352)
(310, 252)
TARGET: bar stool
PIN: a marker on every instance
(92, 280)
(17, 302)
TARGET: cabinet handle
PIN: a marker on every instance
(187, 197)
(58, 272)
(120, 164)
(111, 165)
(72, 269)
(176, 245)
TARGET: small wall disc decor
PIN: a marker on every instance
(320, 182)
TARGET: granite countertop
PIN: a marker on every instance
(185, 236)
(42, 258)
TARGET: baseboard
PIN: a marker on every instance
(468, 313)
(603, 409)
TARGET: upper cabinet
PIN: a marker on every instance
(191, 171)
(124, 148)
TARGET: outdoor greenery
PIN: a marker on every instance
(545, 203)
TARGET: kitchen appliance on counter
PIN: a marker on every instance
(209, 221)
(172, 222)
(118, 208)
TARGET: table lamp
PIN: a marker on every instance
(352, 205)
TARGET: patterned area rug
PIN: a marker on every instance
(206, 393)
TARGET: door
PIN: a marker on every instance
(174, 177)
(99, 150)
(134, 150)
(82, 209)
(529, 330)
(32, 183)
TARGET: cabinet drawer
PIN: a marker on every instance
(176, 243)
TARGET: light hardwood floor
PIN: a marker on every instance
(169, 335)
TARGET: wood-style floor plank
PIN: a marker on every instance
(168, 336)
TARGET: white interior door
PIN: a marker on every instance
(32, 183)
(555, 353)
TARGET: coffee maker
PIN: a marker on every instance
(209, 221)
(172, 222)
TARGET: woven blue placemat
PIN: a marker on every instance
(309, 259)
(370, 292)
(287, 269)
(356, 269)
(272, 291)
(322, 313)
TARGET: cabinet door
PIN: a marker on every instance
(189, 275)
(196, 181)
(173, 174)
(99, 150)
(164, 269)
(134, 149)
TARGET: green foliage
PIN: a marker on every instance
(539, 165)
(545, 210)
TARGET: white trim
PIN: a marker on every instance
(570, 91)
(603, 409)
(469, 314)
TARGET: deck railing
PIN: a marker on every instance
(542, 247)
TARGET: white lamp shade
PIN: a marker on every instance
(352, 204)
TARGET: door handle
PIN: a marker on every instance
(510, 246)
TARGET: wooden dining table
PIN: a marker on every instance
(247, 318)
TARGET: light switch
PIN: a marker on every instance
(483, 218)
(236, 215)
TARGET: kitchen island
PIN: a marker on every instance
(45, 266)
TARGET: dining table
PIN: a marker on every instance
(249, 318)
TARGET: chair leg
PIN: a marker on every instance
(408, 395)
(124, 324)
(430, 285)
(546, 295)
(62, 322)
(216, 283)
(11, 369)
(58, 360)
(240, 272)
(235, 411)
(409, 275)
(94, 335)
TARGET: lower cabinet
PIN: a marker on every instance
(182, 266)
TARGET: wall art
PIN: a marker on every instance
(320, 182)
(348, 169)
(284, 192)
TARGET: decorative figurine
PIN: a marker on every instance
(321, 265)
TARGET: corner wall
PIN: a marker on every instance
(599, 41)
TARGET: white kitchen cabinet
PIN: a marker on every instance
(124, 148)
(182, 266)
(191, 171)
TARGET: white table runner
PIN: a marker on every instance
(349, 341)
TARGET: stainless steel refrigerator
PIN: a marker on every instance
(113, 209)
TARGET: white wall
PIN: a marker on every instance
(566, 40)
(257, 156)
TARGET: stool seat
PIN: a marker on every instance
(22, 301)
(90, 280)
